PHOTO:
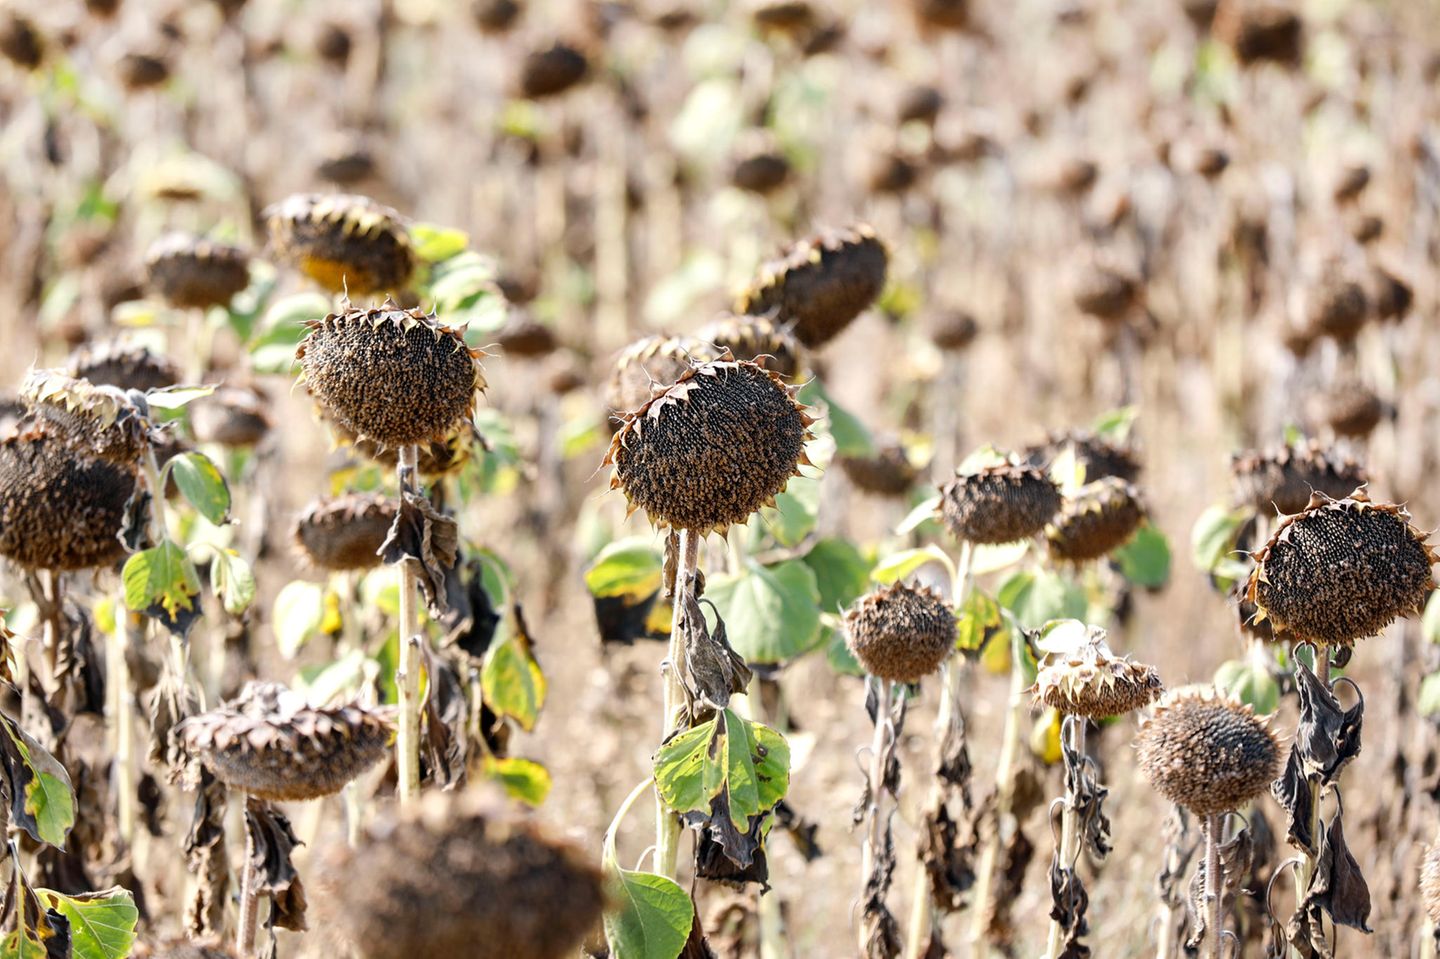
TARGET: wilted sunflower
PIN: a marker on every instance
(887, 472)
(392, 376)
(900, 633)
(649, 364)
(102, 421)
(713, 448)
(270, 744)
(1099, 455)
(192, 272)
(1283, 479)
(1207, 753)
(129, 366)
(1095, 520)
(999, 504)
(231, 416)
(820, 284)
(344, 242)
(345, 533)
(753, 337)
(1079, 675)
(1341, 570)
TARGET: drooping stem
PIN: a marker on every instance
(667, 824)
(1306, 870)
(122, 719)
(922, 910)
(1069, 827)
(407, 742)
(1004, 789)
(249, 893)
(1214, 890)
(880, 748)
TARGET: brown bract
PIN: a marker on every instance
(60, 509)
(1341, 570)
(458, 878)
(999, 504)
(756, 338)
(900, 633)
(98, 421)
(1085, 678)
(1096, 519)
(126, 365)
(344, 242)
(270, 744)
(1207, 753)
(391, 376)
(345, 533)
(713, 448)
(649, 365)
(191, 271)
(1283, 479)
(820, 284)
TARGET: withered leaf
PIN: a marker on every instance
(207, 860)
(713, 858)
(1017, 853)
(1086, 797)
(949, 858)
(443, 723)
(801, 830)
(1326, 739)
(695, 946)
(272, 844)
(424, 536)
(713, 670)
(881, 931)
(1068, 903)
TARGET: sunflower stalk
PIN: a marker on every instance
(249, 895)
(407, 741)
(881, 748)
(1005, 789)
(1069, 829)
(667, 823)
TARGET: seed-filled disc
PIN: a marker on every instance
(125, 365)
(712, 449)
(191, 271)
(999, 504)
(751, 337)
(820, 284)
(60, 509)
(392, 376)
(232, 416)
(1086, 678)
(1206, 753)
(270, 744)
(1283, 479)
(344, 242)
(1341, 570)
(900, 633)
(1100, 517)
(457, 878)
(345, 533)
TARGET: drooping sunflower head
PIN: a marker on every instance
(345, 242)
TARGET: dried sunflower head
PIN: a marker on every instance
(888, 472)
(524, 336)
(650, 364)
(102, 421)
(999, 504)
(128, 366)
(344, 242)
(759, 167)
(1283, 479)
(458, 877)
(900, 633)
(345, 533)
(1261, 30)
(713, 448)
(1099, 455)
(191, 271)
(391, 376)
(1096, 519)
(1207, 753)
(1340, 306)
(231, 416)
(1079, 675)
(820, 284)
(270, 744)
(1105, 291)
(1341, 570)
(1350, 408)
(753, 337)
(60, 508)
(954, 330)
(551, 71)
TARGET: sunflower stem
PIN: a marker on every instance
(249, 893)
(1069, 829)
(667, 824)
(407, 741)
(880, 748)
(1214, 890)
(122, 719)
(1005, 789)
(1305, 872)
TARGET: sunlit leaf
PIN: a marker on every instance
(160, 576)
(298, 612)
(651, 917)
(1145, 560)
(771, 613)
(897, 566)
(42, 799)
(202, 486)
(512, 682)
(627, 567)
(728, 764)
(102, 924)
(435, 243)
(524, 779)
(176, 397)
(842, 573)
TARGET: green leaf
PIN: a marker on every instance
(771, 613)
(46, 807)
(842, 572)
(838, 655)
(1430, 622)
(794, 514)
(729, 764)
(1249, 682)
(1115, 425)
(272, 345)
(298, 612)
(627, 567)
(176, 397)
(979, 621)
(1212, 539)
(202, 485)
(435, 243)
(991, 558)
(652, 917)
(512, 682)
(1145, 560)
(233, 581)
(102, 924)
(160, 575)
(923, 513)
(1035, 598)
(980, 458)
(1429, 700)
(333, 682)
(894, 568)
(850, 435)
(523, 779)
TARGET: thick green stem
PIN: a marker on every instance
(1069, 830)
(1004, 788)
(667, 824)
(407, 742)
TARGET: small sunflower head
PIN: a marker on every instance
(1095, 520)
(101, 421)
(1340, 306)
(270, 744)
(1099, 455)
(649, 365)
(192, 272)
(1080, 676)
(345, 242)
(887, 472)
(552, 70)
(346, 533)
(1350, 407)
(1283, 479)
(128, 366)
(232, 416)
(900, 633)
(392, 376)
(820, 285)
(713, 448)
(754, 337)
(999, 504)
(1207, 753)
(1341, 570)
